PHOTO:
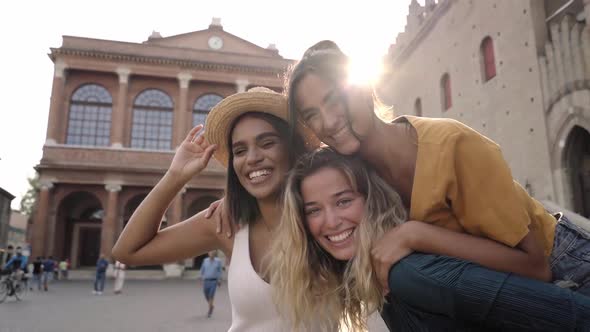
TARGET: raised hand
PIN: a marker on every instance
(192, 156)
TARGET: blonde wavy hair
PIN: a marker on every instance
(309, 285)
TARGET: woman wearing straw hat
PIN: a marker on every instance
(248, 133)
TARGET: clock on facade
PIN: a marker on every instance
(215, 42)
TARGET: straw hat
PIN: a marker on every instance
(258, 99)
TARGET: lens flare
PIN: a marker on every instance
(364, 68)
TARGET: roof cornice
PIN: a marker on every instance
(201, 65)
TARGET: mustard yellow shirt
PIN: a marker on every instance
(463, 183)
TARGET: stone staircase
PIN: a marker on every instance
(89, 274)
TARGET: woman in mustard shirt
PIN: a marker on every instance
(458, 189)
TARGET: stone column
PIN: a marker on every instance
(50, 229)
(40, 222)
(241, 85)
(118, 117)
(175, 215)
(56, 111)
(182, 115)
(109, 223)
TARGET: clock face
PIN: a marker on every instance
(215, 42)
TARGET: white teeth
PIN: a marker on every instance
(340, 237)
(256, 174)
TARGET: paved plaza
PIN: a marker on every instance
(144, 306)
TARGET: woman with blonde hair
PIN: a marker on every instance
(462, 202)
(334, 206)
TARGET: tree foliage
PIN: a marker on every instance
(27, 203)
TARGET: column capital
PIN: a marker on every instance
(112, 187)
(241, 85)
(184, 79)
(123, 73)
(59, 68)
(45, 184)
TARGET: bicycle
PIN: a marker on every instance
(11, 285)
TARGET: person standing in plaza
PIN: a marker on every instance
(56, 275)
(119, 277)
(37, 271)
(48, 267)
(211, 270)
(63, 269)
(101, 271)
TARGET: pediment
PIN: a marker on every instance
(200, 40)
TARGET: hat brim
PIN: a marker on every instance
(222, 116)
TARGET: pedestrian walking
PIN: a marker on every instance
(48, 267)
(119, 277)
(101, 271)
(211, 270)
(37, 271)
(64, 265)
(56, 275)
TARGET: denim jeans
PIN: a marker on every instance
(47, 277)
(570, 259)
(439, 293)
(99, 281)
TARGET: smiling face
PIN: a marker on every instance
(333, 211)
(260, 157)
(322, 108)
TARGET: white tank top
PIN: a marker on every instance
(250, 296)
(252, 307)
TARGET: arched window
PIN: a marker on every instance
(152, 121)
(202, 107)
(89, 120)
(418, 107)
(488, 59)
(93, 214)
(445, 91)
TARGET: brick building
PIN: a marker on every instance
(516, 71)
(117, 112)
(5, 201)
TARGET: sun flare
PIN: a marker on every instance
(364, 68)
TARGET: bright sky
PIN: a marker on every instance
(363, 29)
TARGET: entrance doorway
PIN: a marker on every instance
(577, 161)
(85, 244)
(89, 245)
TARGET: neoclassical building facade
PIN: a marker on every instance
(118, 110)
(516, 71)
